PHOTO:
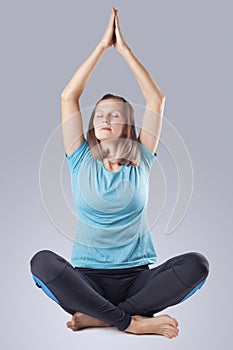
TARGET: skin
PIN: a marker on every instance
(109, 114)
(163, 325)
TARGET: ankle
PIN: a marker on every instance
(133, 326)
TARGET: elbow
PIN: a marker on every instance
(160, 95)
(70, 95)
(162, 98)
(65, 96)
(157, 104)
(157, 100)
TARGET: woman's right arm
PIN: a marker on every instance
(72, 126)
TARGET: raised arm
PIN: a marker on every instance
(155, 99)
(72, 126)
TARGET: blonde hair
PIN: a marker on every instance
(128, 148)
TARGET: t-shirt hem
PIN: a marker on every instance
(108, 265)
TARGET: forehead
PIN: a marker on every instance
(110, 105)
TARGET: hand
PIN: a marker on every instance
(119, 42)
(108, 37)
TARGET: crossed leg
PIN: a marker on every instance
(68, 287)
(158, 288)
(165, 285)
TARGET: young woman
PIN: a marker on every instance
(109, 282)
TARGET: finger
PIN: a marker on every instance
(112, 16)
(117, 21)
(111, 19)
(111, 23)
(118, 29)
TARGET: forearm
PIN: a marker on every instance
(78, 82)
(149, 88)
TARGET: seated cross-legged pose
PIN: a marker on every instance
(109, 282)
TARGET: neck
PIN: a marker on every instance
(110, 147)
(111, 166)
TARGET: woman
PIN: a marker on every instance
(109, 282)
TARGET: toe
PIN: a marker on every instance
(168, 335)
(171, 329)
(173, 322)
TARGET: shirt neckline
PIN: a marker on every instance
(111, 172)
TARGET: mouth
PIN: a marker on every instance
(105, 129)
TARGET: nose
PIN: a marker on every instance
(106, 120)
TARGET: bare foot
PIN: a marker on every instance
(80, 320)
(162, 325)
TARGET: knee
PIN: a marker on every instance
(46, 265)
(200, 264)
(195, 268)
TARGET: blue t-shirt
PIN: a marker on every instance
(112, 229)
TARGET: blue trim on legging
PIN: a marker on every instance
(40, 284)
(193, 290)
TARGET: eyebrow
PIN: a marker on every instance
(100, 110)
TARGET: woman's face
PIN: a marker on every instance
(109, 120)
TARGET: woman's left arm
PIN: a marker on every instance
(155, 99)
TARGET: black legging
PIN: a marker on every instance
(113, 295)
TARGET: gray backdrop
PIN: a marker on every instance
(185, 45)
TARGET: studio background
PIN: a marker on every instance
(186, 48)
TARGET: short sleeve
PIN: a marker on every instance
(147, 158)
(75, 158)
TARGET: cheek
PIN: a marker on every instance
(96, 133)
(119, 123)
(96, 123)
(121, 126)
